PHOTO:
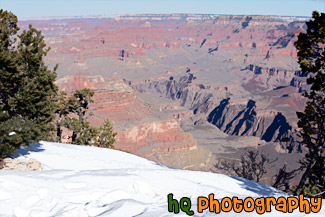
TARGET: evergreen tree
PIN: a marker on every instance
(27, 89)
(78, 104)
(80, 101)
(311, 54)
(106, 135)
(83, 133)
(88, 134)
(70, 107)
(62, 111)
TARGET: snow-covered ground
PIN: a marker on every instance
(80, 181)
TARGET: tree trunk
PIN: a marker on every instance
(58, 131)
(74, 136)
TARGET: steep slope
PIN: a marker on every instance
(141, 127)
(175, 72)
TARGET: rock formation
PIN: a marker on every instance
(139, 129)
(157, 76)
(15, 164)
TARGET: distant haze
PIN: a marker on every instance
(46, 8)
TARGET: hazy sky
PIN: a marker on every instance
(39, 8)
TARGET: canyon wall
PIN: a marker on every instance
(156, 75)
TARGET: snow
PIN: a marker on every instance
(80, 181)
(12, 133)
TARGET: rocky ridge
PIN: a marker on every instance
(175, 72)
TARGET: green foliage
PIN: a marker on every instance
(79, 102)
(78, 105)
(15, 132)
(311, 54)
(310, 45)
(106, 135)
(88, 135)
(27, 89)
(61, 111)
(83, 133)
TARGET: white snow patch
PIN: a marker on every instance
(5, 195)
(12, 133)
(83, 181)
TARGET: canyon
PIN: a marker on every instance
(186, 90)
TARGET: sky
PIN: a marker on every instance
(45, 8)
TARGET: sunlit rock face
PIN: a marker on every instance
(160, 77)
(139, 131)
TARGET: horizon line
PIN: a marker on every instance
(103, 16)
